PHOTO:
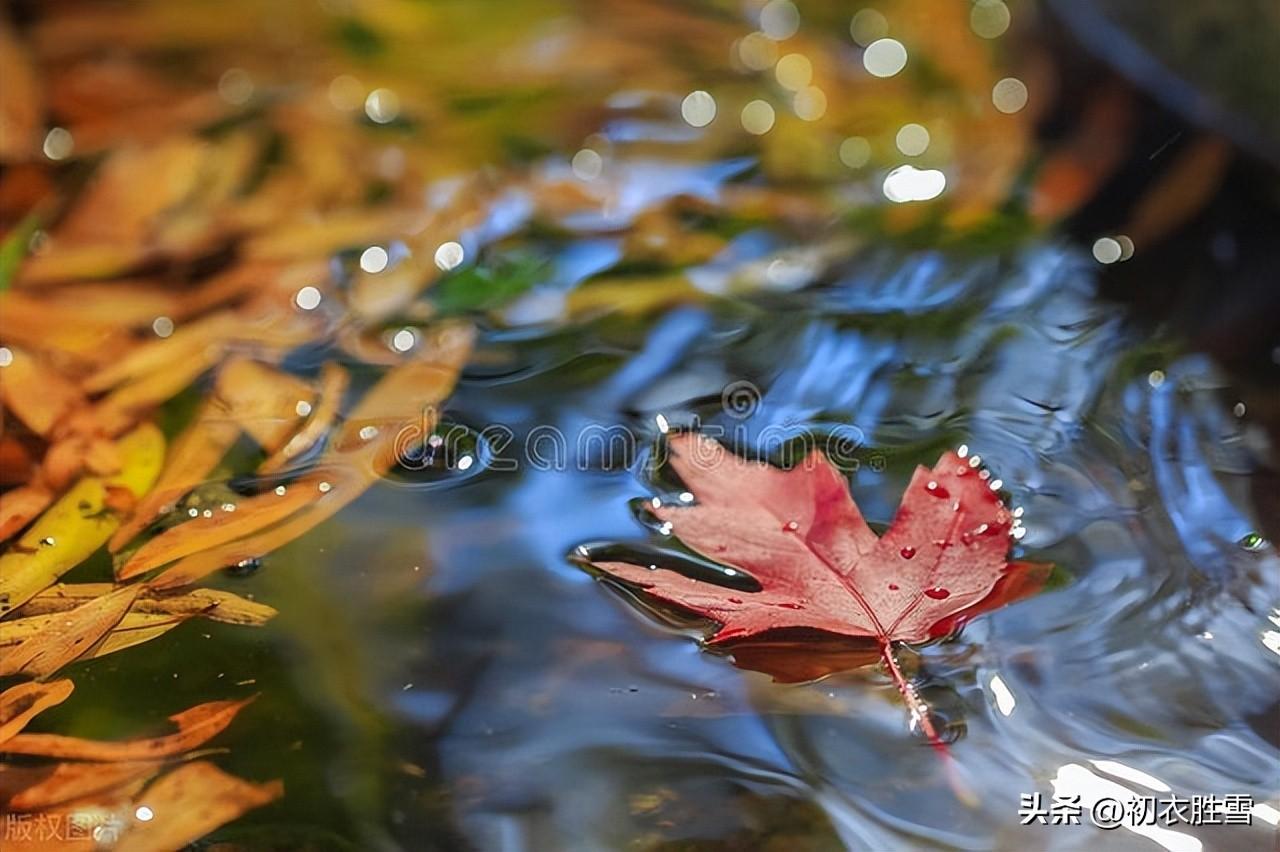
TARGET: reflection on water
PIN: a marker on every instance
(443, 676)
(1152, 654)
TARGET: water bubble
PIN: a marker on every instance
(855, 152)
(587, 164)
(794, 71)
(907, 183)
(757, 117)
(884, 57)
(404, 340)
(779, 19)
(893, 587)
(382, 106)
(235, 86)
(757, 51)
(989, 18)
(244, 567)
(47, 541)
(1009, 95)
(937, 593)
(280, 490)
(374, 259)
(58, 143)
(790, 526)
(867, 25)
(368, 433)
(162, 326)
(912, 139)
(936, 490)
(449, 255)
(907, 552)
(1106, 250)
(6, 356)
(698, 108)
(810, 103)
(308, 298)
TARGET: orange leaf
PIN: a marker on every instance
(333, 384)
(69, 638)
(195, 452)
(192, 801)
(403, 402)
(20, 704)
(20, 506)
(196, 726)
(37, 394)
(264, 401)
(40, 788)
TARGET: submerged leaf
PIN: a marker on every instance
(196, 726)
(190, 802)
(39, 788)
(20, 704)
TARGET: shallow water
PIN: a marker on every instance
(442, 676)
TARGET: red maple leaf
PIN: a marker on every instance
(832, 594)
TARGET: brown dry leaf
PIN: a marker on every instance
(68, 637)
(251, 514)
(20, 704)
(37, 394)
(195, 452)
(333, 385)
(401, 407)
(41, 788)
(78, 523)
(20, 506)
(213, 604)
(136, 629)
(21, 629)
(196, 726)
(22, 106)
(192, 801)
(263, 400)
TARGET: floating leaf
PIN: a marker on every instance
(263, 400)
(213, 604)
(78, 523)
(819, 570)
(404, 401)
(333, 385)
(68, 637)
(38, 395)
(20, 507)
(194, 453)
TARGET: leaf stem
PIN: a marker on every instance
(920, 713)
